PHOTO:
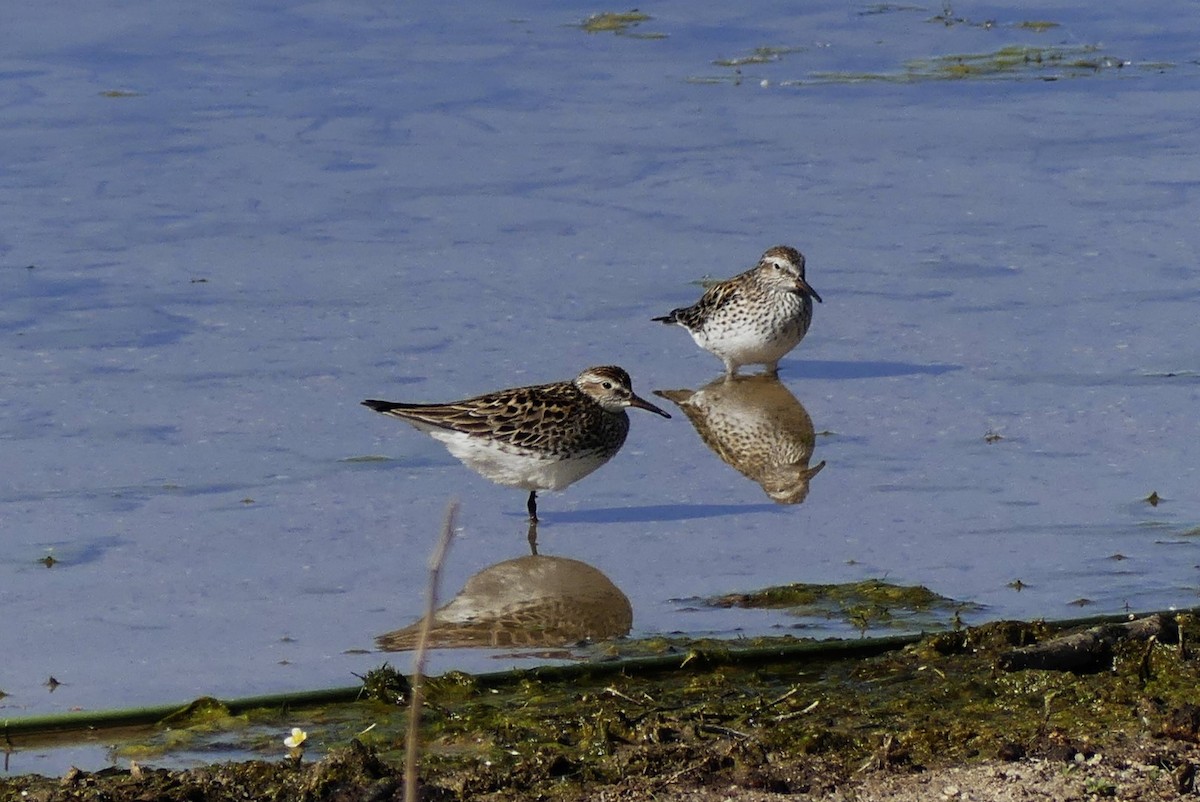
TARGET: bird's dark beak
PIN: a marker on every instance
(804, 288)
(641, 403)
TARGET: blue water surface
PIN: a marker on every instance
(225, 225)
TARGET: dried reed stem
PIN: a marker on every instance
(412, 748)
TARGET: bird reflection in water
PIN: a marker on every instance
(534, 601)
(756, 425)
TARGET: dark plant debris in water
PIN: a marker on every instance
(760, 55)
(801, 724)
(886, 8)
(950, 19)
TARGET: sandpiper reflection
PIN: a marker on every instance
(532, 601)
(756, 425)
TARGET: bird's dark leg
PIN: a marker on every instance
(531, 505)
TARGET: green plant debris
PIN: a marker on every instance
(620, 23)
(950, 19)
(1014, 63)
(865, 605)
(786, 724)
(204, 710)
(386, 684)
(1038, 26)
(1016, 60)
(760, 55)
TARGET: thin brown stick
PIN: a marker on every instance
(412, 747)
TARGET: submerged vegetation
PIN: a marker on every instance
(792, 721)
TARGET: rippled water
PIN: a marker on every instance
(227, 227)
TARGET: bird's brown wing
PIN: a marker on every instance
(715, 297)
(515, 416)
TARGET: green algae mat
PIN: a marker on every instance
(784, 715)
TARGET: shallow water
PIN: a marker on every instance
(225, 229)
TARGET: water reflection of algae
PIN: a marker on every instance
(528, 601)
(756, 425)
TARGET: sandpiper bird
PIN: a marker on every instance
(543, 437)
(753, 318)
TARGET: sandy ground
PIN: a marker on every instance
(1146, 772)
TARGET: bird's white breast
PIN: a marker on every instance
(516, 467)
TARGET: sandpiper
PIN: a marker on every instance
(753, 318)
(543, 437)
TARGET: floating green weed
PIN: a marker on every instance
(621, 23)
(1014, 60)
(1038, 26)
(865, 605)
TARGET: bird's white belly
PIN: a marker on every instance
(748, 344)
(516, 467)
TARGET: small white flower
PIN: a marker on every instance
(297, 738)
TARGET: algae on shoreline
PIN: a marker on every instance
(785, 723)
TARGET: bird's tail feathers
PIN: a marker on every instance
(383, 406)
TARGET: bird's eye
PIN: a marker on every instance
(607, 385)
